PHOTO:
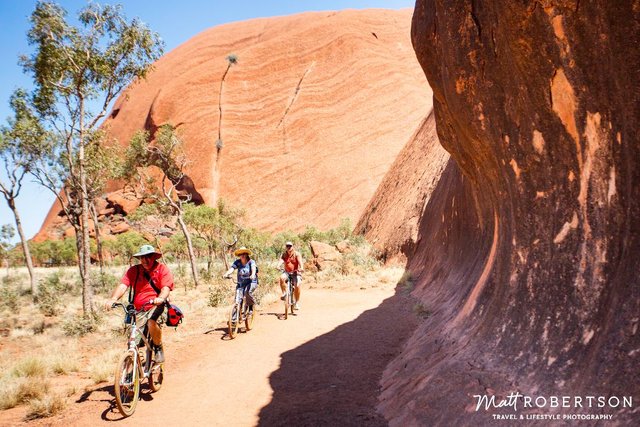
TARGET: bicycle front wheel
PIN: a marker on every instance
(127, 384)
(234, 321)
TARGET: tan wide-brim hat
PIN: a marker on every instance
(241, 251)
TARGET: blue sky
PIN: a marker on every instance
(175, 21)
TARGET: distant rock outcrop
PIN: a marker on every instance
(527, 252)
(310, 113)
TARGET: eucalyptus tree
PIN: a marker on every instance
(21, 140)
(164, 154)
(78, 71)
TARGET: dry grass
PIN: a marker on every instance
(47, 406)
(101, 368)
(16, 391)
(29, 366)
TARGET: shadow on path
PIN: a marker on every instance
(334, 379)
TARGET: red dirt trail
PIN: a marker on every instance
(321, 367)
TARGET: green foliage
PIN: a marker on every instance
(125, 245)
(10, 297)
(220, 294)
(78, 326)
(55, 252)
(50, 293)
(104, 283)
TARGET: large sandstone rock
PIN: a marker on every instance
(324, 255)
(309, 113)
(527, 252)
(392, 218)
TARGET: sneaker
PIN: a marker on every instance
(158, 354)
(296, 305)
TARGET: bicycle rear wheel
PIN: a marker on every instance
(127, 384)
(156, 376)
(234, 321)
(248, 318)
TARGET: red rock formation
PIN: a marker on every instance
(392, 217)
(528, 249)
(309, 112)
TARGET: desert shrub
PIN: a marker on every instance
(421, 311)
(9, 298)
(15, 391)
(101, 368)
(49, 300)
(78, 326)
(406, 281)
(344, 266)
(267, 282)
(29, 367)
(104, 283)
(61, 364)
(220, 294)
(46, 406)
(205, 274)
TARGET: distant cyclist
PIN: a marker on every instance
(247, 275)
(150, 284)
(292, 262)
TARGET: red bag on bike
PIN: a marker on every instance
(174, 315)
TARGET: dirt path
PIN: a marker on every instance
(320, 367)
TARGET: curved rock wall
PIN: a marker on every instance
(527, 256)
(391, 219)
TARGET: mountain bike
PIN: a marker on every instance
(133, 367)
(239, 313)
(289, 294)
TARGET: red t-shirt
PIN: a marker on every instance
(144, 292)
(291, 263)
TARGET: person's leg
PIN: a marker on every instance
(250, 299)
(283, 283)
(156, 332)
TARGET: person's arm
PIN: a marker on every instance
(229, 271)
(253, 271)
(116, 295)
(300, 262)
(164, 294)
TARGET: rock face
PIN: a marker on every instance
(392, 217)
(527, 251)
(310, 112)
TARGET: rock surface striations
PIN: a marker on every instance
(527, 253)
(309, 122)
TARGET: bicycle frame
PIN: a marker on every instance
(134, 335)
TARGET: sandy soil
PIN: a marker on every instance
(321, 367)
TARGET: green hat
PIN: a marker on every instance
(147, 250)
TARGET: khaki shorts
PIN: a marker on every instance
(297, 278)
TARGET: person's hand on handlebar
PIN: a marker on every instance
(157, 301)
(109, 304)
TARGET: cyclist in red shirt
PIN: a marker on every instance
(292, 262)
(152, 282)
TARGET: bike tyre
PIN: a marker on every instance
(248, 319)
(126, 399)
(156, 376)
(233, 326)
